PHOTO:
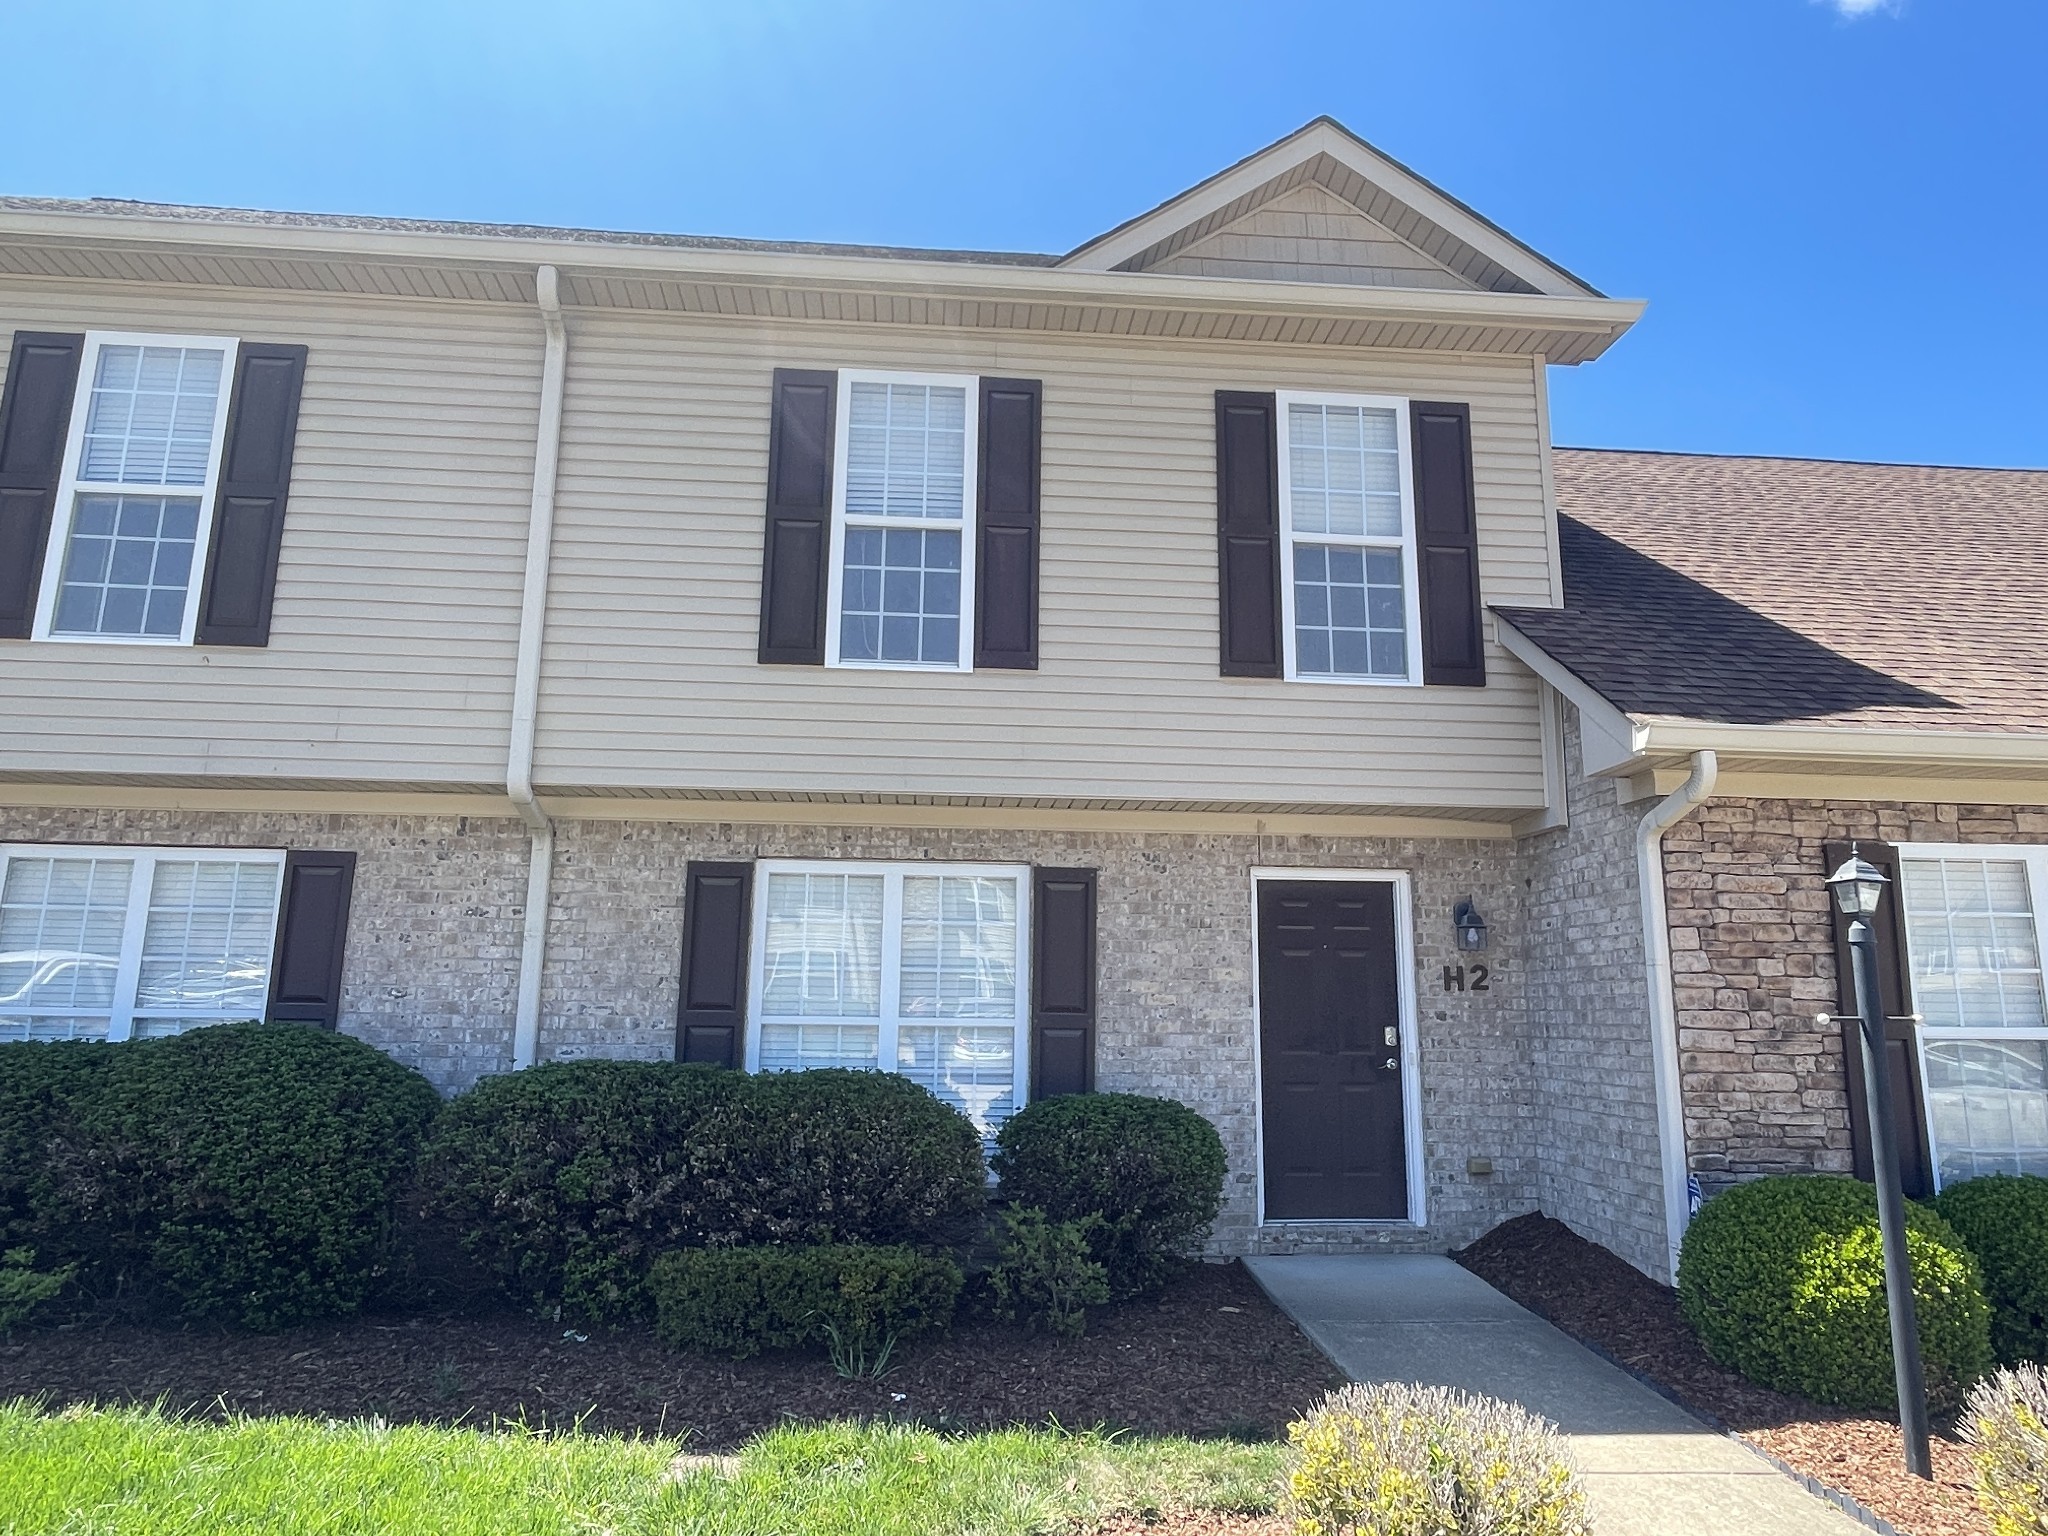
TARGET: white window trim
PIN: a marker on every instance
(970, 499)
(1411, 591)
(2035, 859)
(890, 1007)
(1411, 1047)
(123, 1012)
(69, 486)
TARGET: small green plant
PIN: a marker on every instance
(1150, 1169)
(857, 1301)
(2004, 1219)
(23, 1287)
(1396, 1458)
(1783, 1280)
(2006, 1426)
(857, 1357)
(1044, 1277)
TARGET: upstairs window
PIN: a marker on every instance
(136, 493)
(1347, 530)
(902, 532)
(124, 943)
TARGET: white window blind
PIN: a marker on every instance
(1346, 523)
(137, 488)
(903, 561)
(1973, 948)
(110, 944)
(909, 969)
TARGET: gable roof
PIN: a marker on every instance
(1767, 592)
(1385, 196)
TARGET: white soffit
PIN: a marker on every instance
(1327, 152)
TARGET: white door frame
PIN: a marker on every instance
(1411, 1052)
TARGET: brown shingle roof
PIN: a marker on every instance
(1779, 591)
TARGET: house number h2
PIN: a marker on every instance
(1457, 979)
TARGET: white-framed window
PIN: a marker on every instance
(135, 498)
(1972, 921)
(1349, 611)
(900, 592)
(911, 968)
(121, 943)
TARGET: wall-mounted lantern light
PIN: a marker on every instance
(1470, 925)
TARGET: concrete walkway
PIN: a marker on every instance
(1651, 1469)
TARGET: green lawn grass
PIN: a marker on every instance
(112, 1472)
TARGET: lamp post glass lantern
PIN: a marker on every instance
(1859, 888)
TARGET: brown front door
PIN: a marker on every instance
(1330, 1051)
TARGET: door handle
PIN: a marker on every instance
(1393, 1064)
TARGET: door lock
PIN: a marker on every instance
(1393, 1035)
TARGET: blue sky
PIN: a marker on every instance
(1837, 208)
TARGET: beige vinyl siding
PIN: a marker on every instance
(1310, 235)
(391, 649)
(649, 678)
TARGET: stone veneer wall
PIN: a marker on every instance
(1754, 961)
(1600, 1167)
(434, 936)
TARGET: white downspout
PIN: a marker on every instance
(1667, 813)
(533, 605)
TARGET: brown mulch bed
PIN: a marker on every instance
(1603, 1301)
(1211, 1357)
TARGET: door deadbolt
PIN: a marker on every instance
(1393, 1035)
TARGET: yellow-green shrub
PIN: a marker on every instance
(2006, 1425)
(1395, 1458)
(1783, 1279)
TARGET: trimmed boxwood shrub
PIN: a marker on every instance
(1783, 1279)
(837, 1156)
(1151, 1169)
(2004, 1219)
(568, 1180)
(251, 1170)
(856, 1299)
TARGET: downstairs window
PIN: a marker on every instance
(909, 968)
(125, 943)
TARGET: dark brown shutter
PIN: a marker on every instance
(35, 414)
(312, 936)
(1248, 532)
(1902, 1046)
(1447, 532)
(712, 1007)
(248, 514)
(799, 536)
(1062, 982)
(1006, 564)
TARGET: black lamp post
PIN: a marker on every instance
(1859, 888)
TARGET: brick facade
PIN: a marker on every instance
(434, 937)
(1601, 1165)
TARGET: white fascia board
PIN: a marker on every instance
(1607, 737)
(1837, 744)
(1322, 138)
(1598, 320)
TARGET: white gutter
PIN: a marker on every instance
(1667, 813)
(533, 602)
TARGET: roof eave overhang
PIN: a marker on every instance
(1564, 329)
(1819, 760)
